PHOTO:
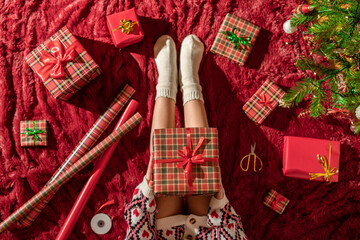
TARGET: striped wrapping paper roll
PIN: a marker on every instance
(66, 175)
(83, 147)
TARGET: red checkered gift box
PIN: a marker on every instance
(261, 104)
(235, 39)
(186, 161)
(33, 133)
(63, 64)
(276, 201)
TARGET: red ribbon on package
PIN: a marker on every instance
(264, 100)
(188, 158)
(279, 198)
(55, 60)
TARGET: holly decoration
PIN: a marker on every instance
(332, 27)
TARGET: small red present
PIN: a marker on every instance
(235, 39)
(263, 102)
(276, 201)
(33, 133)
(63, 64)
(311, 159)
(125, 28)
(186, 161)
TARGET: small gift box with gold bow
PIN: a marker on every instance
(276, 201)
(33, 133)
(125, 28)
(63, 64)
(311, 159)
(263, 102)
(235, 39)
(186, 161)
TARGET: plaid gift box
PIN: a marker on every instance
(276, 201)
(33, 133)
(186, 161)
(261, 104)
(63, 64)
(124, 28)
(238, 43)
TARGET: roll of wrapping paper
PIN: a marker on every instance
(83, 147)
(71, 171)
(93, 179)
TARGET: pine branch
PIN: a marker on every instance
(297, 93)
(316, 108)
(305, 63)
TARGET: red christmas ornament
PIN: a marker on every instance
(303, 8)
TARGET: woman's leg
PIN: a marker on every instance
(164, 113)
(195, 115)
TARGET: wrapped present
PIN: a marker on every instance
(33, 133)
(125, 28)
(63, 64)
(235, 39)
(311, 158)
(186, 161)
(276, 201)
(263, 102)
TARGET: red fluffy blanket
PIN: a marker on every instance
(316, 210)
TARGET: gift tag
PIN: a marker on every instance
(101, 223)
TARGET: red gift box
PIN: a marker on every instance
(33, 133)
(276, 201)
(125, 28)
(230, 31)
(311, 158)
(63, 64)
(263, 102)
(186, 161)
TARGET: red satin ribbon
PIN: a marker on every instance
(279, 198)
(189, 158)
(55, 60)
(263, 100)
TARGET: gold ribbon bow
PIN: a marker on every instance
(126, 26)
(328, 172)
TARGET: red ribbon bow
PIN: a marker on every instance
(190, 158)
(278, 199)
(55, 60)
(264, 100)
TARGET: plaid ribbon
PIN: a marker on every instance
(77, 73)
(72, 171)
(276, 201)
(225, 47)
(261, 104)
(83, 147)
(29, 133)
(169, 176)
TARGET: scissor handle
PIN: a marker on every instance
(261, 163)
(248, 163)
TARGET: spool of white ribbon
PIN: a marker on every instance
(101, 223)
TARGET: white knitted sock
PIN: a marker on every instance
(165, 58)
(190, 57)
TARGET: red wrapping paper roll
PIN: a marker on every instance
(93, 179)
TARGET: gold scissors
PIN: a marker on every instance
(252, 153)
